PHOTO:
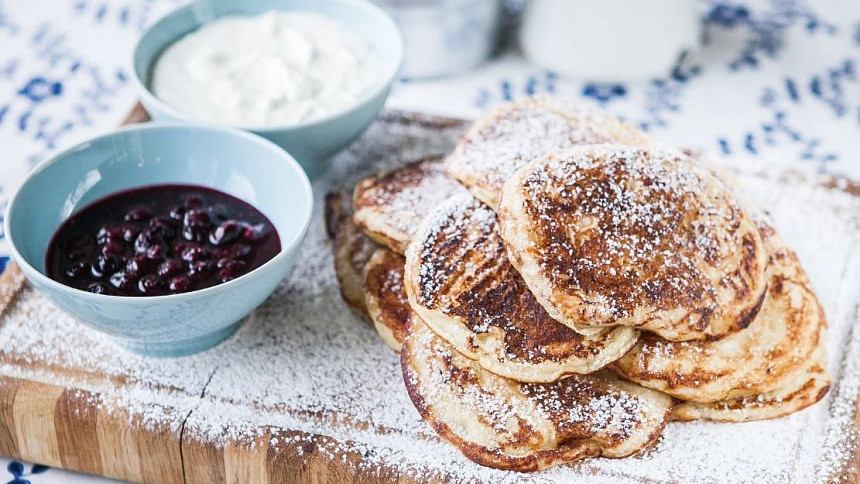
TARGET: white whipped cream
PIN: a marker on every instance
(275, 69)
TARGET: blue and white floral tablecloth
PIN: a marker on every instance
(776, 82)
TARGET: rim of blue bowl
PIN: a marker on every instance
(384, 84)
(285, 251)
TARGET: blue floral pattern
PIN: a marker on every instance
(767, 27)
(16, 469)
(38, 89)
(758, 77)
(603, 92)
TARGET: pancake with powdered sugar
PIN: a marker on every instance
(607, 235)
(803, 390)
(500, 423)
(766, 356)
(351, 249)
(385, 296)
(514, 134)
(461, 284)
(389, 206)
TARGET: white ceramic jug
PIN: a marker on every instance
(609, 40)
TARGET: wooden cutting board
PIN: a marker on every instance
(305, 392)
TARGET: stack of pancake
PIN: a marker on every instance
(561, 286)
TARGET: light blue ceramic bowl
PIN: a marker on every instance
(312, 143)
(241, 164)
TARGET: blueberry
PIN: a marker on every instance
(229, 269)
(199, 269)
(103, 264)
(137, 214)
(96, 268)
(235, 265)
(97, 288)
(77, 269)
(177, 213)
(130, 233)
(180, 284)
(112, 250)
(195, 225)
(225, 275)
(195, 234)
(226, 232)
(162, 228)
(179, 247)
(236, 251)
(157, 252)
(169, 268)
(192, 252)
(151, 285)
(256, 232)
(139, 264)
(108, 234)
(144, 241)
(196, 218)
(122, 281)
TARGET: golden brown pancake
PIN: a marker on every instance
(805, 389)
(514, 134)
(766, 356)
(461, 284)
(351, 250)
(607, 235)
(389, 206)
(386, 297)
(526, 426)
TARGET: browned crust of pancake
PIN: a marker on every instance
(386, 298)
(761, 368)
(462, 282)
(495, 458)
(389, 206)
(608, 235)
(495, 296)
(575, 443)
(801, 398)
(805, 390)
(351, 251)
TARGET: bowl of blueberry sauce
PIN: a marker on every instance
(161, 236)
(160, 239)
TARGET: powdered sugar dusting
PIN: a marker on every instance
(304, 362)
(491, 415)
(462, 279)
(518, 133)
(394, 203)
(455, 221)
(617, 231)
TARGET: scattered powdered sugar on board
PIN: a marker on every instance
(304, 372)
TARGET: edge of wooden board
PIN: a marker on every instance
(61, 427)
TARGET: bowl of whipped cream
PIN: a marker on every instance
(310, 75)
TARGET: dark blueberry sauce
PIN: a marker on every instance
(158, 240)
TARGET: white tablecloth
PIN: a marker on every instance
(776, 82)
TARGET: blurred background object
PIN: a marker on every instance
(445, 37)
(609, 40)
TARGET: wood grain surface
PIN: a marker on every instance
(69, 427)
